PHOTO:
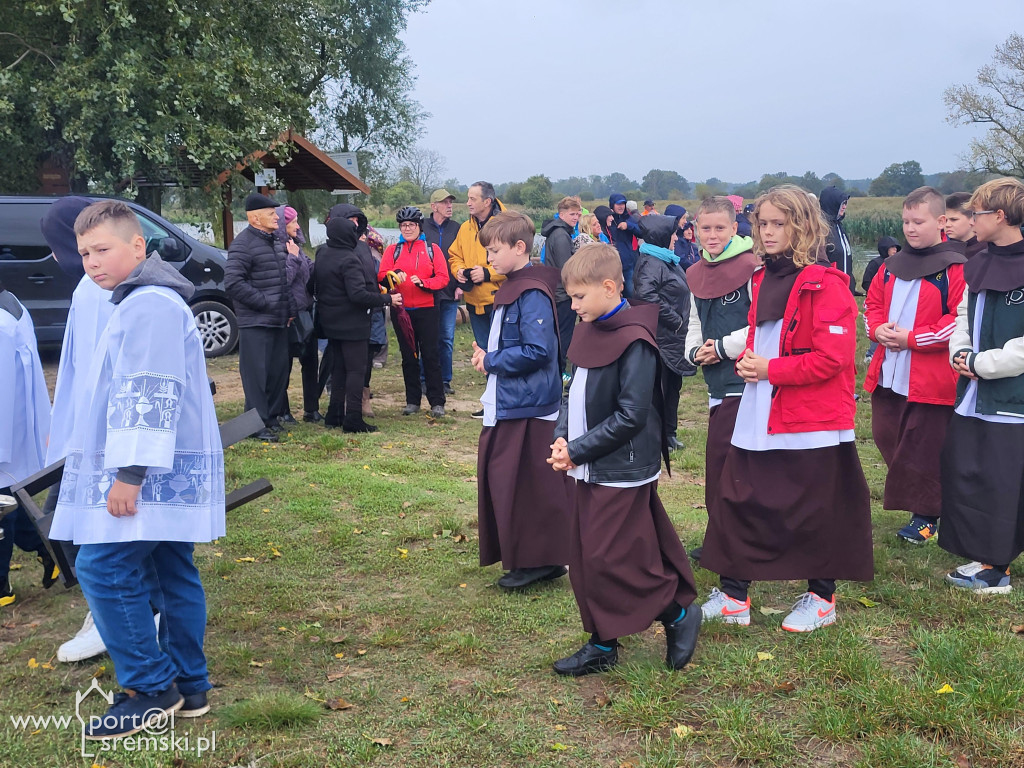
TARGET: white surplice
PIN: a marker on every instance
(24, 400)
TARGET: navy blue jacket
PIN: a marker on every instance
(529, 383)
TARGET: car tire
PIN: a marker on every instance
(218, 327)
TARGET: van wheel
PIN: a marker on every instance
(218, 327)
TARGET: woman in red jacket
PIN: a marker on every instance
(421, 270)
(793, 500)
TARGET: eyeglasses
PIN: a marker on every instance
(408, 224)
(979, 213)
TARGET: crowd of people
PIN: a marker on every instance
(584, 356)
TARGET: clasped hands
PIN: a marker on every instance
(560, 461)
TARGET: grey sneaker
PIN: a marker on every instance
(410, 409)
(810, 613)
(437, 412)
(721, 607)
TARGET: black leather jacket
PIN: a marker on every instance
(623, 443)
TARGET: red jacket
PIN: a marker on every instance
(813, 377)
(932, 380)
(415, 259)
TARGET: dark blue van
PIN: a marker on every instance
(29, 271)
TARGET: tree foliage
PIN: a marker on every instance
(536, 192)
(897, 180)
(995, 100)
(116, 89)
(663, 185)
(423, 167)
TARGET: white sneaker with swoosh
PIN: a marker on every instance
(810, 613)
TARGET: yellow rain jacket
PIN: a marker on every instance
(465, 253)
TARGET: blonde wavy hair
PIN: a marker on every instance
(805, 223)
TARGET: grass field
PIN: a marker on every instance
(350, 625)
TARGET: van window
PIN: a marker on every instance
(20, 236)
(155, 236)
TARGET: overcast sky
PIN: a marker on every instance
(732, 89)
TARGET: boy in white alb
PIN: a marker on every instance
(144, 478)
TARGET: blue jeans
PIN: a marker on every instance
(447, 312)
(123, 583)
(481, 324)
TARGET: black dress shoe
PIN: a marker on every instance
(524, 577)
(312, 417)
(673, 443)
(587, 660)
(288, 419)
(267, 436)
(355, 425)
(681, 638)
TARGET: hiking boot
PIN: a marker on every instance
(7, 596)
(524, 577)
(50, 570)
(917, 531)
(437, 412)
(809, 613)
(986, 580)
(681, 638)
(478, 414)
(131, 712)
(410, 409)
(587, 660)
(84, 645)
(195, 705)
(312, 417)
(721, 607)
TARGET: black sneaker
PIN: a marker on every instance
(587, 660)
(50, 570)
(478, 414)
(131, 712)
(195, 705)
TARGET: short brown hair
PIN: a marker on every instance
(508, 227)
(592, 264)
(717, 204)
(1006, 195)
(805, 223)
(929, 196)
(959, 202)
(570, 203)
(121, 218)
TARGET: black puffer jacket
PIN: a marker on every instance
(345, 284)
(837, 246)
(256, 280)
(557, 249)
(659, 282)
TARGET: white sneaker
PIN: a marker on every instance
(721, 607)
(86, 644)
(809, 613)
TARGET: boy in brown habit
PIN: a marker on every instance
(523, 510)
(627, 565)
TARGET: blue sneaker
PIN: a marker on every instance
(917, 531)
(195, 705)
(986, 580)
(133, 711)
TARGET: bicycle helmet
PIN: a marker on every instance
(409, 213)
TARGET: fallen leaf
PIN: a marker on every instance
(1017, 629)
(401, 515)
(560, 727)
(339, 655)
(404, 699)
(762, 656)
(366, 466)
(282, 629)
(274, 551)
(866, 602)
(963, 761)
(45, 665)
(15, 566)
(769, 611)
(336, 704)
(255, 663)
(556, 702)
(460, 537)
(462, 586)
(786, 687)
(406, 504)
(403, 552)
(338, 639)
(682, 731)
(356, 531)
(946, 688)
(333, 676)
(559, 747)
(627, 764)
(245, 559)
(100, 672)
(699, 506)
(314, 638)
(361, 651)
(380, 742)
(32, 663)
(602, 700)
(218, 554)
(446, 532)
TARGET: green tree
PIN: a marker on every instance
(660, 184)
(897, 180)
(997, 101)
(536, 192)
(127, 88)
(403, 193)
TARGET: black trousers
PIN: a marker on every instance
(566, 325)
(737, 588)
(427, 331)
(348, 367)
(309, 360)
(671, 383)
(263, 364)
